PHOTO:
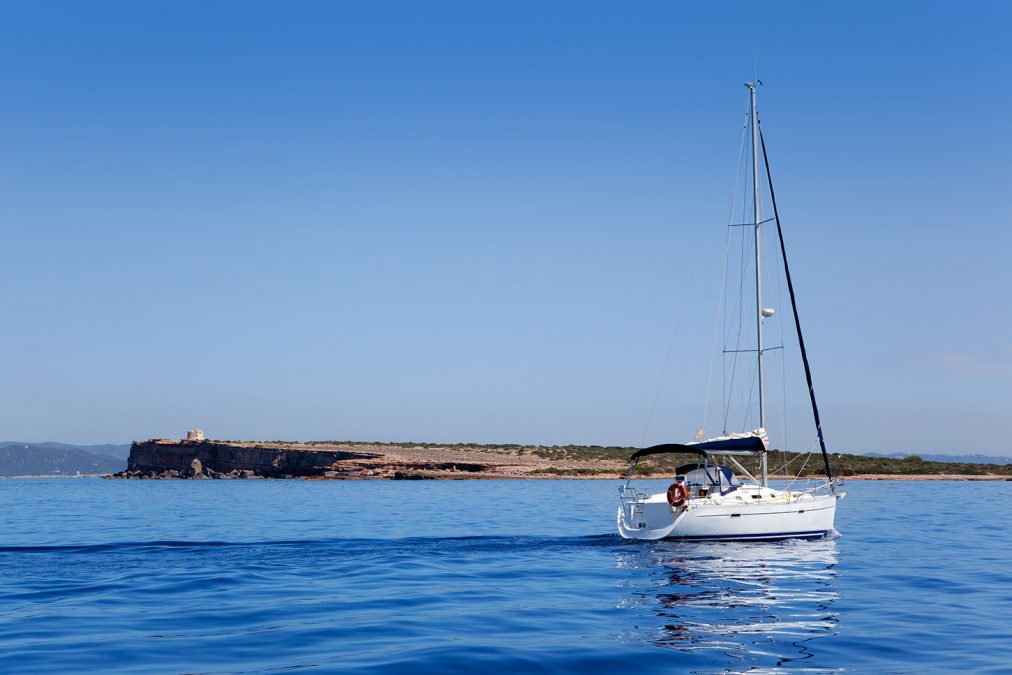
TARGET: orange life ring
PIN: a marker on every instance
(677, 495)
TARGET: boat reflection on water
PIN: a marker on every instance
(756, 604)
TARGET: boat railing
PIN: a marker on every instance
(829, 486)
(628, 493)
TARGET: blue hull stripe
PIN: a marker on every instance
(768, 535)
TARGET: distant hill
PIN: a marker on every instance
(958, 459)
(28, 459)
(121, 450)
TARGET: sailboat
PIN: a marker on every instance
(715, 497)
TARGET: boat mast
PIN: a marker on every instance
(758, 269)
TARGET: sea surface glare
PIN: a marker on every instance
(451, 576)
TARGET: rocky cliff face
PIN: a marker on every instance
(350, 460)
(210, 459)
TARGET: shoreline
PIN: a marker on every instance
(491, 476)
(58, 475)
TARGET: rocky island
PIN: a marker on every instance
(161, 458)
(198, 458)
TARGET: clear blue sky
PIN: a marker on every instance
(479, 221)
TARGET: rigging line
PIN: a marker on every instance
(775, 271)
(771, 271)
(671, 345)
(723, 384)
(761, 222)
(735, 309)
(728, 387)
(746, 248)
(782, 468)
(808, 457)
(783, 356)
(746, 243)
(797, 454)
(740, 180)
(716, 334)
(722, 297)
(797, 320)
(681, 311)
(751, 390)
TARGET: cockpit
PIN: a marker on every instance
(702, 479)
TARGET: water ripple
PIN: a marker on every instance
(269, 576)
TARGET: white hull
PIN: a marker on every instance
(750, 513)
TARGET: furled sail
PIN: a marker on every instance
(733, 444)
(750, 440)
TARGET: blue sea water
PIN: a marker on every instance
(451, 576)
